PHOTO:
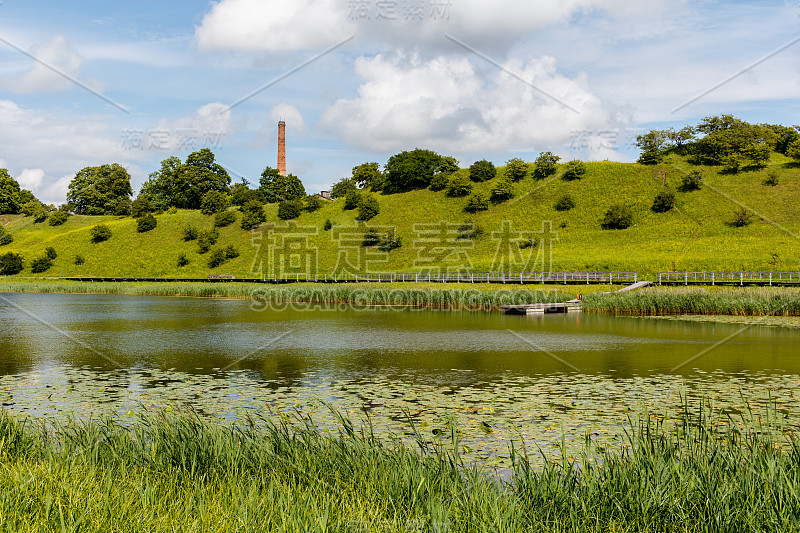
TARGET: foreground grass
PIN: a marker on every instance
(185, 473)
(749, 301)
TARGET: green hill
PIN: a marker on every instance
(695, 235)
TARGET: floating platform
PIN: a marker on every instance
(529, 309)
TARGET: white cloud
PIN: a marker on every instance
(207, 127)
(58, 54)
(290, 114)
(447, 104)
(31, 178)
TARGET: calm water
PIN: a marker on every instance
(533, 376)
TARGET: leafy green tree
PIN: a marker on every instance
(575, 170)
(277, 188)
(516, 169)
(163, 186)
(196, 177)
(368, 176)
(32, 208)
(146, 223)
(785, 136)
(50, 252)
(100, 233)
(663, 202)
(793, 150)
(617, 217)
(459, 186)
(9, 194)
(477, 202)
(141, 206)
(182, 260)
(439, 182)
(368, 208)
(253, 214)
(545, 165)
(652, 144)
(741, 218)
(289, 210)
(343, 187)
(482, 170)
(11, 264)
(681, 137)
(206, 239)
(351, 200)
(414, 169)
(241, 193)
(214, 202)
(98, 190)
(5, 238)
(503, 190)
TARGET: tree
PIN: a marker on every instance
(100, 233)
(10, 264)
(141, 206)
(199, 175)
(545, 165)
(415, 169)
(162, 186)
(741, 218)
(241, 193)
(368, 176)
(652, 144)
(277, 188)
(439, 182)
(9, 194)
(343, 187)
(98, 190)
(503, 190)
(224, 219)
(516, 169)
(352, 200)
(368, 208)
(58, 218)
(214, 202)
(482, 170)
(253, 214)
(575, 170)
(41, 264)
(459, 186)
(663, 202)
(793, 150)
(477, 202)
(617, 217)
(50, 252)
(289, 210)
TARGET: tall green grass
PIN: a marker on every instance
(750, 301)
(181, 472)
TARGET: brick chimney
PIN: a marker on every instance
(282, 148)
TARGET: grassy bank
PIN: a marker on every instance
(748, 301)
(185, 473)
(401, 294)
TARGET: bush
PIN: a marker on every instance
(214, 202)
(216, 258)
(146, 223)
(741, 218)
(10, 264)
(477, 202)
(122, 207)
(207, 239)
(663, 202)
(545, 165)
(58, 218)
(7, 238)
(368, 208)
(503, 190)
(182, 260)
(328, 225)
(459, 186)
(482, 170)
(314, 203)
(50, 253)
(575, 170)
(79, 260)
(439, 182)
(516, 169)
(231, 252)
(100, 233)
(565, 203)
(141, 206)
(289, 210)
(772, 179)
(342, 188)
(189, 233)
(252, 214)
(40, 217)
(691, 181)
(617, 217)
(352, 200)
(41, 264)
(224, 218)
(32, 208)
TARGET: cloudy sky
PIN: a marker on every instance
(93, 82)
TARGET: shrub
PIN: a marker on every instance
(439, 182)
(545, 165)
(146, 223)
(352, 200)
(207, 239)
(516, 169)
(313, 203)
(79, 260)
(141, 206)
(189, 233)
(565, 203)
(741, 218)
(371, 238)
(617, 217)
(391, 243)
(58, 218)
(50, 252)
(214, 202)
(224, 218)
(503, 190)
(10, 264)
(691, 181)
(216, 258)
(482, 170)
(368, 208)
(252, 214)
(100, 233)
(459, 186)
(342, 188)
(41, 264)
(328, 225)
(182, 260)
(122, 207)
(32, 208)
(663, 202)
(575, 170)
(772, 178)
(732, 163)
(288, 210)
(40, 217)
(7, 238)
(231, 252)
(477, 202)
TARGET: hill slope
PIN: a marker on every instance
(693, 236)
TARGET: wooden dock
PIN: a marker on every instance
(530, 309)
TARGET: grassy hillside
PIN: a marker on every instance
(693, 236)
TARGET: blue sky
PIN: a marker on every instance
(137, 83)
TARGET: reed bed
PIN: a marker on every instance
(316, 294)
(748, 301)
(182, 472)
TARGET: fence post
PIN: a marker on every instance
(659, 278)
(741, 279)
(636, 277)
(770, 279)
(686, 278)
(587, 278)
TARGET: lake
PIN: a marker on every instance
(492, 376)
